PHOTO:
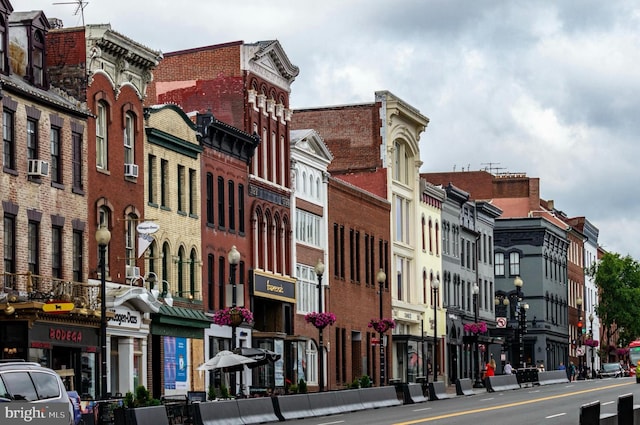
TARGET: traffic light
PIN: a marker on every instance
(580, 326)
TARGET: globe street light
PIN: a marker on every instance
(319, 269)
(103, 236)
(381, 277)
(233, 256)
(518, 283)
(435, 284)
(477, 383)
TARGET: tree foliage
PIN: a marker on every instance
(618, 281)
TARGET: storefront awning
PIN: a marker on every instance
(181, 316)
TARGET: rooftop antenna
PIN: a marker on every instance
(81, 4)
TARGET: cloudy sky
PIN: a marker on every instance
(548, 88)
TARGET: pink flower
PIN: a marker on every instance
(476, 328)
(382, 325)
(223, 317)
(320, 320)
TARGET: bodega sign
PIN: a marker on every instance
(54, 413)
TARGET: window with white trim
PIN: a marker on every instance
(307, 289)
(308, 228)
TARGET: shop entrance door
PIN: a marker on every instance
(66, 362)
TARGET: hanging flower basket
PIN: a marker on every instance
(232, 316)
(591, 342)
(622, 352)
(475, 328)
(320, 320)
(382, 325)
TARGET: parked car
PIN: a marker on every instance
(610, 370)
(32, 382)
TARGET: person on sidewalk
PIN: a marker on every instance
(508, 369)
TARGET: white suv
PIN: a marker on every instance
(31, 382)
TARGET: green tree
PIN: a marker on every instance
(618, 281)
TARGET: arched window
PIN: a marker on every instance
(180, 266)
(424, 243)
(130, 239)
(192, 272)
(166, 256)
(101, 136)
(437, 240)
(430, 235)
(129, 141)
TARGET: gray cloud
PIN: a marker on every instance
(547, 88)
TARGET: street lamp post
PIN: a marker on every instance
(580, 365)
(518, 283)
(103, 236)
(381, 277)
(233, 256)
(434, 286)
(477, 383)
(593, 373)
(319, 269)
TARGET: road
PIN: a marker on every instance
(549, 405)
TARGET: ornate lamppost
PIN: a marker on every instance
(477, 383)
(319, 269)
(233, 256)
(593, 373)
(518, 283)
(381, 277)
(435, 285)
(103, 237)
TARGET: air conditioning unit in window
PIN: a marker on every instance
(37, 168)
(132, 272)
(130, 170)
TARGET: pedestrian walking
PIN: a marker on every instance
(508, 369)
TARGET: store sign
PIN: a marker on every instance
(65, 335)
(122, 318)
(57, 307)
(268, 285)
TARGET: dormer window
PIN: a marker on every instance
(38, 59)
(3, 45)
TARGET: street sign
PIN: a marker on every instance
(375, 341)
(580, 351)
(501, 322)
(57, 307)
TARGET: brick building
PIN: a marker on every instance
(376, 148)
(247, 86)
(44, 223)
(110, 72)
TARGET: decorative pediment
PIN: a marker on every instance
(268, 60)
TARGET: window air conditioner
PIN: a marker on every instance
(38, 168)
(131, 170)
(132, 272)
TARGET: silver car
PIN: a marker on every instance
(610, 370)
(34, 383)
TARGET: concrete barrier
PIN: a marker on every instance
(324, 403)
(412, 393)
(151, 415)
(590, 413)
(437, 391)
(464, 387)
(502, 383)
(350, 400)
(256, 410)
(375, 397)
(294, 406)
(217, 413)
(553, 377)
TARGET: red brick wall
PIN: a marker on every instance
(352, 134)
(112, 186)
(354, 303)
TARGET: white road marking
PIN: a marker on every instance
(424, 408)
(555, 416)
